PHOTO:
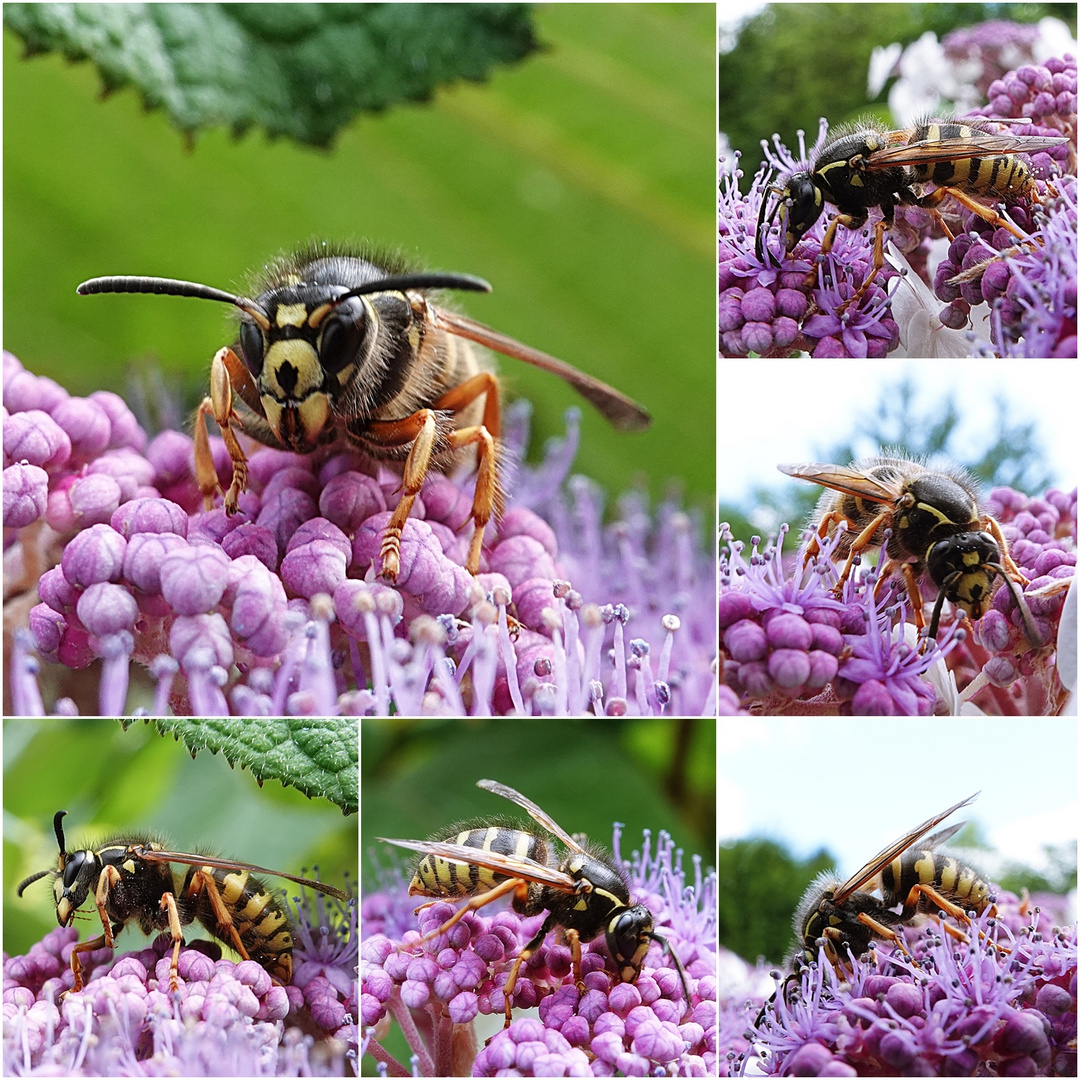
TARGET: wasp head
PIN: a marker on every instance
(74, 876)
(801, 201)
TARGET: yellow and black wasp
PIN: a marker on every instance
(865, 166)
(581, 889)
(348, 344)
(910, 874)
(929, 523)
(131, 881)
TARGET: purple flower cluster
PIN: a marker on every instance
(436, 990)
(116, 568)
(1031, 287)
(790, 645)
(990, 48)
(1015, 676)
(227, 1019)
(947, 1009)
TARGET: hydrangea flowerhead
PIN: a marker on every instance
(280, 609)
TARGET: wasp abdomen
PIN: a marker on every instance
(257, 916)
(943, 873)
(437, 876)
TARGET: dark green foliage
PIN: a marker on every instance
(761, 884)
(301, 70)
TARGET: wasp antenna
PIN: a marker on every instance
(434, 280)
(159, 287)
(58, 828)
(30, 880)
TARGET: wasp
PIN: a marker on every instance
(132, 881)
(844, 917)
(339, 345)
(929, 523)
(864, 166)
(581, 889)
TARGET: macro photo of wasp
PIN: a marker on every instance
(582, 889)
(358, 347)
(929, 523)
(864, 166)
(130, 880)
(907, 879)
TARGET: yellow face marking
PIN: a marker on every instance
(305, 363)
(291, 315)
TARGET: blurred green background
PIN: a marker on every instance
(137, 782)
(580, 183)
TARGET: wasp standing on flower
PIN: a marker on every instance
(865, 166)
(845, 917)
(131, 881)
(928, 522)
(344, 344)
(581, 889)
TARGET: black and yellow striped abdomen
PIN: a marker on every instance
(257, 914)
(947, 875)
(437, 876)
(1002, 174)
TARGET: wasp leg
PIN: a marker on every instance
(911, 582)
(488, 496)
(573, 939)
(109, 877)
(833, 517)
(227, 373)
(883, 520)
(421, 430)
(994, 528)
(987, 213)
(946, 905)
(522, 957)
(203, 883)
(168, 904)
(882, 930)
(477, 902)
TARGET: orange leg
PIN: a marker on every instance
(421, 429)
(883, 520)
(168, 903)
(227, 373)
(514, 885)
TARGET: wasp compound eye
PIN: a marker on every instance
(252, 346)
(342, 336)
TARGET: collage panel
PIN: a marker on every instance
(897, 180)
(174, 911)
(949, 952)
(900, 541)
(260, 461)
(539, 903)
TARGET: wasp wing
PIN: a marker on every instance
(188, 859)
(931, 151)
(623, 412)
(510, 865)
(941, 836)
(849, 481)
(886, 856)
(533, 811)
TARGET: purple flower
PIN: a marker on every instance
(1003, 1001)
(226, 1018)
(630, 1028)
(279, 608)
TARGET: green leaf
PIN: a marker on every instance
(319, 757)
(302, 70)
